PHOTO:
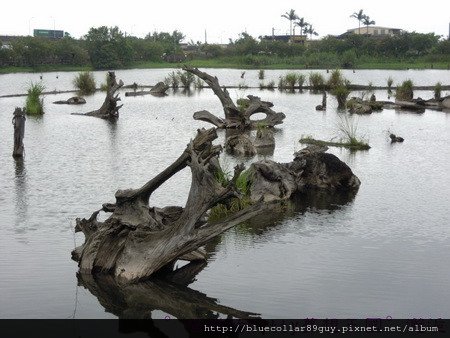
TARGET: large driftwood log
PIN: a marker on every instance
(234, 117)
(311, 169)
(136, 240)
(18, 122)
(109, 109)
(158, 90)
(75, 100)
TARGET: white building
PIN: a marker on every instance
(375, 31)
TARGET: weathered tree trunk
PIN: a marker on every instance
(72, 101)
(109, 109)
(136, 240)
(234, 117)
(264, 138)
(240, 145)
(18, 122)
(159, 89)
(311, 169)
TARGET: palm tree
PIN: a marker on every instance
(367, 22)
(291, 16)
(359, 16)
(302, 24)
(310, 30)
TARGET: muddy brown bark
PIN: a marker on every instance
(18, 122)
(234, 117)
(137, 240)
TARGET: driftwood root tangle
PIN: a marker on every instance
(235, 117)
(137, 240)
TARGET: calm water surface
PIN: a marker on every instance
(384, 253)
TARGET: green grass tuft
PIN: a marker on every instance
(34, 105)
(316, 81)
(84, 82)
(405, 91)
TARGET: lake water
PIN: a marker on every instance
(384, 253)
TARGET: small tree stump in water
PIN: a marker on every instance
(323, 106)
(394, 138)
(18, 122)
(109, 109)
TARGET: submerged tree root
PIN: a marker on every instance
(137, 240)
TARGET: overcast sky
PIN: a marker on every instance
(221, 19)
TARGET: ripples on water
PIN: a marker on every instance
(381, 254)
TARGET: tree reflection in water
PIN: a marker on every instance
(169, 294)
(169, 291)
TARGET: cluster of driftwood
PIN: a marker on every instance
(157, 90)
(236, 118)
(109, 109)
(138, 240)
(359, 106)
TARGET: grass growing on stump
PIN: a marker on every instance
(186, 79)
(261, 74)
(291, 80)
(243, 184)
(282, 83)
(316, 81)
(341, 92)
(34, 105)
(339, 87)
(84, 82)
(348, 129)
(437, 91)
(405, 91)
(172, 80)
(199, 83)
(348, 137)
(336, 79)
(301, 80)
(390, 82)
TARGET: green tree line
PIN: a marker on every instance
(109, 48)
(102, 48)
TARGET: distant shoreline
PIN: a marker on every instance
(231, 64)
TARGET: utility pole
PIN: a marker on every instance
(29, 25)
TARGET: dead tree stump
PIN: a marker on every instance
(18, 122)
(234, 117)
(109, 109)
(137, 240)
